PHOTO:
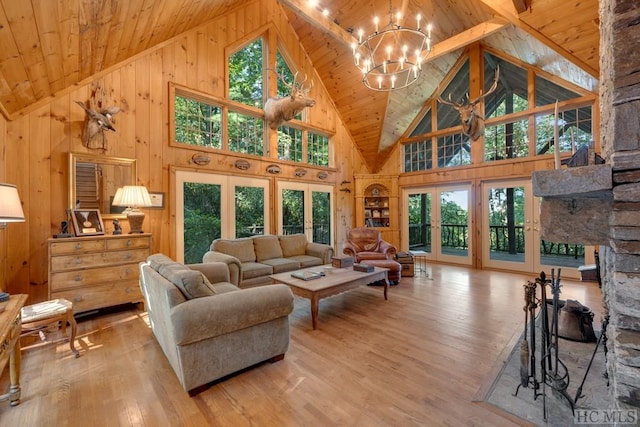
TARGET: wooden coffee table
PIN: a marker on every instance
(335, 282)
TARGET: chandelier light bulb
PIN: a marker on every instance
(389, 49)
(325, 12)
(418, 17)
(360, 34)
(376, 21)
(379, 82)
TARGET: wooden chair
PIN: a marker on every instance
(36, 318)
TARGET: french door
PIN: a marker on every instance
(511, 237)
(306, 208)
(212, 206)
(437, 221)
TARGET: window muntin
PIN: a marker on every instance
(453, 150)
(197, 123)
(574, 130)
(317, 149)
(289, 144)
(510, 95)
(506, 141)
(418, 156)
(246, 133)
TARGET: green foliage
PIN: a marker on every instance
(201, 219)
(245, 74)
(249, 211)
(198, 123)
(292, 211)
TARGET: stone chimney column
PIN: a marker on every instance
(620, 140)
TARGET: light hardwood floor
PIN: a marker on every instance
(422, 358)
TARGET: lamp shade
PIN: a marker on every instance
(132, 196)
(10, 206)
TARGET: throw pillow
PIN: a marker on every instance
(293, 245)
(239, 248)
(267, 247)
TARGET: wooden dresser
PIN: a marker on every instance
(98, 271)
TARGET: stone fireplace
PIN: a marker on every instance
(600, 204)
(620, 138)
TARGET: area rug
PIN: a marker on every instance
(528, 406)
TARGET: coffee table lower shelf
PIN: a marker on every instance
(333, 283)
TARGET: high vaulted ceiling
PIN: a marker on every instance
(47, 46)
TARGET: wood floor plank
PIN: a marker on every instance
(421, 358)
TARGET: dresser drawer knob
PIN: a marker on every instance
(78, 278)
(77, 299)
(78, 261)
(128, 256)
(129, 243)
(127, 271)
(78, 245)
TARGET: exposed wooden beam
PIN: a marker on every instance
(507, 10)
(316, 19)
(468, 37)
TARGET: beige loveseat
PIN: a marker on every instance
(207, 326)
(252, 259)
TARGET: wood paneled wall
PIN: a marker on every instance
(34, 148)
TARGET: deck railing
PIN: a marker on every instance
(456, 236)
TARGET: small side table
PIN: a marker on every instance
(10, 327)
(420, 258)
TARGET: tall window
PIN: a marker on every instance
(245, 74)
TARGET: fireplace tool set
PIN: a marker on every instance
(553, 373)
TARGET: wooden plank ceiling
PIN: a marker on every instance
(48, 46)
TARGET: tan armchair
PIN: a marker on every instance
(366, 244)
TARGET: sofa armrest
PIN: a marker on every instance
(203, 318)
(215, 272)
(350, 250)
(233, 263)
(320, 250)
(387, 249)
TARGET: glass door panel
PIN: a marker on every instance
(436, 221)
(321, 216)
(249, 211)
(306, 208)
(419, 206)
(453, 225)
(202, 219)
(292, 211)
(507, 233)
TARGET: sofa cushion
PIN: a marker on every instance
(266, 247)
(192, 284)
(306, 260)
(280, 265)
(239, 248)
(223, 287)
(255, 269)
(293, 244)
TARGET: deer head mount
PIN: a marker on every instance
(95, 124)
(472, 122)
(279, 110)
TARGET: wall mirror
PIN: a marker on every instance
(93, 181)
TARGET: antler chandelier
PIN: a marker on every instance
(391, 57)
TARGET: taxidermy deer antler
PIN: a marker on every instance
(93, 134)
(472, 122)
(280, 110)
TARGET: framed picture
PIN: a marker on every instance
(87, 222)
(157, 200)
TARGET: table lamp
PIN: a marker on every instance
(133, 197)
(10, 206)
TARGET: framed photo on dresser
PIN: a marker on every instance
(87, 222)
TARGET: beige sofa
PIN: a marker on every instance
(207, 326)
(252, 259)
